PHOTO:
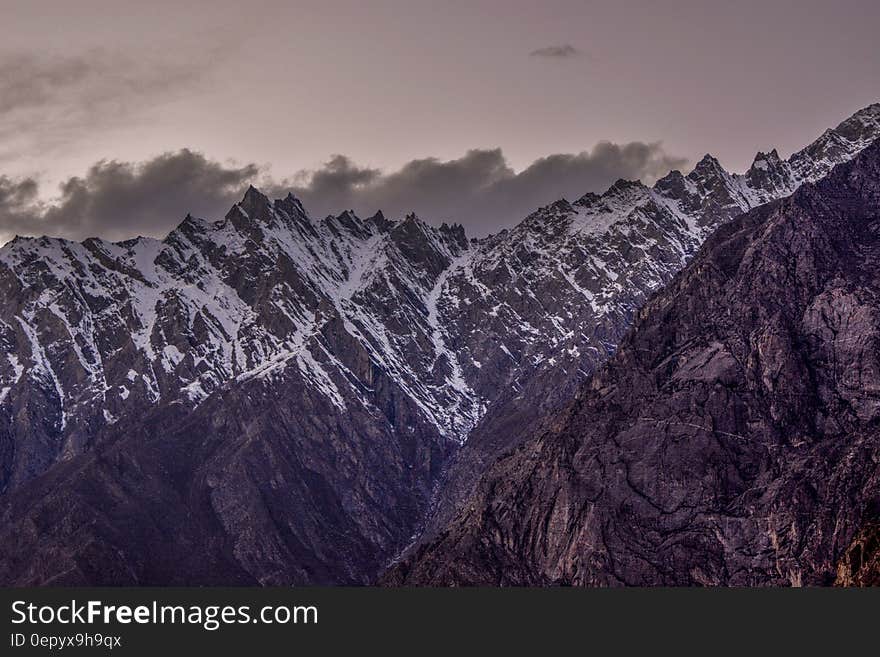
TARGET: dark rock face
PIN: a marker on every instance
(260, 485)
(310, 395)
(860, 564)
(245, 401)
(554, 296)
(733, 439)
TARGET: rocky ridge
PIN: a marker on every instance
(731, 440)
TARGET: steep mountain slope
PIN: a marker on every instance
(566, 281)
(542, 305)
(307, 384)
(97, 332)
(244, 388)
(258, 485)
(732, 439)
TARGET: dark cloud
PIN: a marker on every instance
(480, 189)
(565, 50)
(19, 204)
(118, 200)
(337, 185)
(47, 100)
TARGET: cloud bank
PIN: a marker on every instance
(118, 200)
(480, 189)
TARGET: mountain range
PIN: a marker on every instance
(274, 398)
(733, 438)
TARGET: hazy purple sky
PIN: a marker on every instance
(272, 90)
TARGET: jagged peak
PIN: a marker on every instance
(862, 126)
(380, 222)
(349, 220)
(412, 222)
(256, 208)
(676, 186)
(190, 227)
(545, 212)
(45, 241)
(293, 204)
(871, 111)
(411, 230)
(195, 222)
(253, 196)
(707, 169)
(455, 231)
(671, 182)
(345, 214)
(675, 174)
(587, 199)
(101, 243)
(764, 161)
(19, 242)
(829, 141)
(14, 243)
(412, 219)
(624, 187)
(253, 205)
(830, 134)
(623, 183)
(708, 163)
(772, 156)
(562, 205)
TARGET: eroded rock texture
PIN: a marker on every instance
(733, 439)
(860, 564)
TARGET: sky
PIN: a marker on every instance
(117, 118)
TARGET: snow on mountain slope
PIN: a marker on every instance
(562, 286)
(373, 312)
(731, 440)
(95, 330)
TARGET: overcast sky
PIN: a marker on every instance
(481, 110)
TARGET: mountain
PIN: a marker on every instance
(294, 399)
(733, 438)
(547, 302)
(245, 401)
